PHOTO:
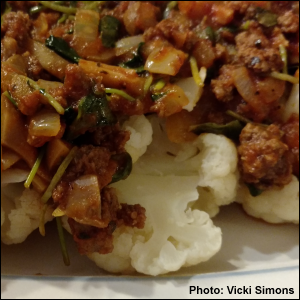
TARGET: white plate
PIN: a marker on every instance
(253, 254)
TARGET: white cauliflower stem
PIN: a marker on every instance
(20, 213)
(274, 206)
(173, 237)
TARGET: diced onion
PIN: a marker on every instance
(166, 60)
(292, 105)
(128, 43)
(13, 175)
(44, 123)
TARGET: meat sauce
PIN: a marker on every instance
(242, 46)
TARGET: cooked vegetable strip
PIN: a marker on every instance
(51, 100)
(36, 9)
(120, 93)
(195, 72)
(171, 5)
(42, 220)
(266, 18)
(109, 27)
(10, 98)
(148, 83)
(62, 241)
(285, 77)
(283, 54)
(62, 19)
(34, 168)
(124, 169)
(94, 4)
(62, 168)
(137, 61)
(60, 8)
(238, 117)
(231, 130)
(61, 47)
(159, 85)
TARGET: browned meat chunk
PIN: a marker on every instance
(291, 138)
(131, 215)
(257, 52)
(223, 86)
(264, 158)
(289, 22)
(16, 25)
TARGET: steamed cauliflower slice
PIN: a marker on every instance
(273, 206)
(140, 136)
(173, 237)
(20, 213)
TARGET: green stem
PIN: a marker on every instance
(284, 77)
(34, 168)
(10, 98)
(94, 5)
(62, 168)
(120, 93)
(238, 117)
(42, 220)
(56, 7)
(283, 54)
(62, 241)
(51, 100)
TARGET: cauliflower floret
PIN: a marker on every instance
(212, 157)
(20, 213)
(174, 236)
(273, 206)
(141, 136)
(218, 168)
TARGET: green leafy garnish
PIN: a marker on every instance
(254, 191)
(156, 97)
(137, 61)
(61, 47)
(109, 28)
(93, 111)
(34, 168)
(124, 169)
(265, 17)
(231, 130)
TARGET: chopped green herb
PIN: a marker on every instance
(59, 173)
(284, 58)
(61, 47)
(62, 19)
(231, 130)
(120, 93)
(34, 168)
(148, 83)
(254, 191)
(93, 111)
(159, 85)
(238, 117)
(10, 98)
(124, 169)
(156, 97)
(109, 27)
(265, 17)
(284, 77)
(62, 241)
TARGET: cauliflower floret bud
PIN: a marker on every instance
(140, 137)
(174, 236)
(21, 210)
(273, 206)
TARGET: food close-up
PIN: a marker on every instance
(131, 124)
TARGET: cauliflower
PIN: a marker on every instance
(174, 236)
(273, 206)
(212, 157)
(20, 213)
(141, 136)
